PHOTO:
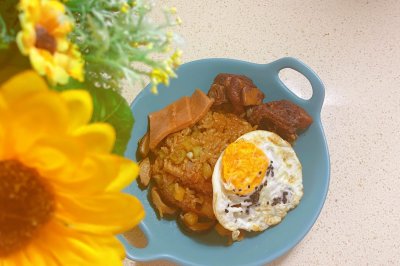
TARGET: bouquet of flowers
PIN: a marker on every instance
(64, 124)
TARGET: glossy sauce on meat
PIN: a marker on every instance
(282, 117)
(233, 93)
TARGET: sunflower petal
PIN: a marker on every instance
(56, 158)
(128, 171)
(57, 69)
(41, 110)
(98, 137)
(46, 158)
(38, 60)
(2, 141)
(60, 163)
(112, 213)
(79, 105)
(13, 260)
(37, 255)
(22, 85)
(112, 174)
(59, 159)
(3, 104)
(74, 248)
(31, 255)
(38, 116)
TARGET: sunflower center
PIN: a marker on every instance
(44, 40)
(26, 204)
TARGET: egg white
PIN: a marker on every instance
(265, 213)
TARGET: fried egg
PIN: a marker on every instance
(256, 181)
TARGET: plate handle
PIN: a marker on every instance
(150, 252)
(318, 89)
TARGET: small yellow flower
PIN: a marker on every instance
(169, 35)
(154, 89)
(135, 44)
(150, 45)
(125, 8)
(173, 10)
(59, 184)
(170, 71)
(176, 58)
(162, 75)
(178, 21)
(159, 75)
(44, 37)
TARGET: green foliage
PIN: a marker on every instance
(108, 107)
(12, 62)
(9, 24)
(118, 41)
(112, 108)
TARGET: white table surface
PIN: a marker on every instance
(354, 46)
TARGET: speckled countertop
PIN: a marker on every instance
(354, 46)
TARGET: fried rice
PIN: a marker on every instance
(182, 165)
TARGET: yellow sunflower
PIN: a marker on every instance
(44, 37)
(60, 199)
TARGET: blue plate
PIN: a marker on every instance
(166, 239)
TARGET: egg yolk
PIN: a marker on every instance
(244, 166)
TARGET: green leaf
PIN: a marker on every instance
(9, 23)
(112, 108)
(12, 62)
(108, 107)
(71, 85)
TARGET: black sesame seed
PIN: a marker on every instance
(276, 201)
(248, 186)
(284, 199)
(226, 211)
(259, 173)
(240, 189)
